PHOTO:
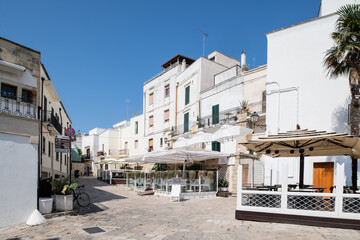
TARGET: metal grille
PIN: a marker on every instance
(312, 203)
(351, 205)
(222, 172)
(261, 200)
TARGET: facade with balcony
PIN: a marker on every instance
(55, 121)
(19, 131)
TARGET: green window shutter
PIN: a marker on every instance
(187, 95)
(215, 114)
(186, 122)
(215, 146)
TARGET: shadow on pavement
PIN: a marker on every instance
(97, 196)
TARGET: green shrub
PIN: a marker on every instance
(63, 187)
(164, 175)
(210, 175)
(201, 174)
(192, 175)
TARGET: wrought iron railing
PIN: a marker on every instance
(21, 107)
(180, 129)
(49, 117)
(224, 117)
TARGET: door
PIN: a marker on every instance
(323, 175)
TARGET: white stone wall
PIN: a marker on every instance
(295, 61)
(19, 178)
(331, 6)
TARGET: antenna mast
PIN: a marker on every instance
(204, 39)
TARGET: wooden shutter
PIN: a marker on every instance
(187, 95)
(166, 115)
(186, 122)
(151, 98)
(215, 114)
(215, 146)
(151, 142)
(151, 121)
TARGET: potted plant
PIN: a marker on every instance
(163, 175)
(142, 175)
(63, 194)
(192, 175)
(152, 175)
(223, 185)
(157, 174)
(201, 174)
(244, 106)
(178, 174)
(210, 175)
(171, 174)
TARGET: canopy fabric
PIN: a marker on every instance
(178, 155)
(308, 142)
(181, 142)
(201, 137)
(227, 131)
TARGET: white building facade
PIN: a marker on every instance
(300, 92)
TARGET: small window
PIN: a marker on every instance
(187, 95)
(151, 121)
(136, 127)
(212, 59)
(161, 142)
(166, 115)
(215, 146)
(57, 156)
(151, 144)
(136, 144)
(49, 148)
(8, 91)
(151, 98)
(167, 90)
(60, 158)
(65, 159)
(26, 96)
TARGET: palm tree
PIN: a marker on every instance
(344, 59)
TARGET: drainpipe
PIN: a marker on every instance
(176, 96)
(40, 145)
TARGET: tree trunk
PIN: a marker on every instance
(354, 125)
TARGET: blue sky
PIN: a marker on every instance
(98, 53)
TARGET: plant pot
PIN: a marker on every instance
(223, 189)
(63, 203)
(45, 205)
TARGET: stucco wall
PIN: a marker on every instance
(18, 197)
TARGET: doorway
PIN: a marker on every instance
(323, 175)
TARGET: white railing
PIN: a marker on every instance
(336, 205)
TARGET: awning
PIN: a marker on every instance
(201, 137)
(181, 142)
(307, 142)
(178, 155)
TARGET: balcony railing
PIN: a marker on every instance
(49, 117)
(224, 117)
(180, 129)
(119, 152)
(21, 107)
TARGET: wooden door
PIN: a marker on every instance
(323, 175)
(245, 174)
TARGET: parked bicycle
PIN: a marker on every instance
(82, 198)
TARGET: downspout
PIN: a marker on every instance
(40, 145)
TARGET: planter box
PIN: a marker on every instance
(63, 202)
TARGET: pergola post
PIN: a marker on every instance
(301, 177)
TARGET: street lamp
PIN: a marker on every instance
(254, 118)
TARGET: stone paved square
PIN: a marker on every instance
(125, 215)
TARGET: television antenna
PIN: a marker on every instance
(205, 35)
(127, 108)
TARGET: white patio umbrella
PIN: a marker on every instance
(181, 142)
(228, 131)
(201, 137)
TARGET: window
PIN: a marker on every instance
(215, 146)
(43, 145)
(136, 144)
(136, 127)
(186, 122)
(187, 95)
(161, 142)
(8, 91)
(49, 148)
(26, 96)
(126, 145)
(57, 156)
(60, 158)
(167, 90)
(151, 98)
(151, 144)
(151, 121)
(45, 108)
(166, 115)
(212, 59)
(215, 114)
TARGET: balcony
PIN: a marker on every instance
(180, 129)
(21, 107)
(99, 154)
(118, 152)
(49, 117)
(225, 117)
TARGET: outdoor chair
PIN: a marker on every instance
(195, 184)
(207, 184)
(184, 185)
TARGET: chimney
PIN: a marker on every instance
(243, 58)
(183, 65)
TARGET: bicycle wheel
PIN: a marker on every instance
(83, 199)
